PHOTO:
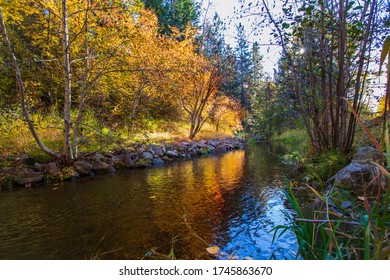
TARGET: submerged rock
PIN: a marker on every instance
(158, 162)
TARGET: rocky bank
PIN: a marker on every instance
(25, 172)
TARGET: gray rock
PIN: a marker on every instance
(358, 176)
(53, 169)
(97, 157)
(158, 162)
(172, 154)
(28, 177)
(156, 149)
(100, 167)
(367, 154)
(130, 159)
(26, 159)
(39, 167)
(147, 155)
(83, 167)
(118, 161)
(212, 143)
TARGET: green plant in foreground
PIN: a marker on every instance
(338, 233)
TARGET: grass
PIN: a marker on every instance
(17, 140)
(359, 232)
(292, 137)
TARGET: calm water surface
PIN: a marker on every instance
(231, 200)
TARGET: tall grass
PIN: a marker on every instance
(323, 233)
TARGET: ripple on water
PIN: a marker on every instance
(232, 201)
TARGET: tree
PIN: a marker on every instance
(328, 46)
(174, 14)
(244, 67)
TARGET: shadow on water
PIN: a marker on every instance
(178, 210)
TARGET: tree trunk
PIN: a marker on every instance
(84, 84)
(22, 92)
(67, 83)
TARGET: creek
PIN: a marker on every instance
(232, 200)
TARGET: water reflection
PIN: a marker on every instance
(231, 201)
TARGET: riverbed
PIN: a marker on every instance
(231, 201)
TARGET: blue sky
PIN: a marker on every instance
(228, 11)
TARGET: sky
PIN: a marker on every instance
(227, 10)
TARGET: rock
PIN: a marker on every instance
(53, 169)
(212, 143)
(100, 167)
(164, 148)
(143, 162)
(83, 167)
(158, 151)
(130, 159)
(28, 177)
(358, 176)
(158, 162)
(26, 159)
(367, 154)
(147, 155)
(172, 154)
(118, 161)
(39, 167)
(97, 157)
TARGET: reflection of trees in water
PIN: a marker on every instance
(191, 196)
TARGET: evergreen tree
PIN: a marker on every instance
(244, 65)
(174, 13)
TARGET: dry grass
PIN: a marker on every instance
(17, 140)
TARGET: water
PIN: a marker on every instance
(231, 201)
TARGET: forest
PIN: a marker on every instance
(88, 68)
(79, 77)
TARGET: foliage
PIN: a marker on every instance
(121, 68)
(351, 233)
(328, 47)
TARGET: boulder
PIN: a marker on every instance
(367, 154)
(39, 167)
(97, 157)
(212, 143)
(26, 159)
(358, 176)
(158, 162)
(118, 161)
(172, 154)
(28, 177)
(147, 155)
(130, 159)
(83, 167)
(52, 169)
(156, 149)
(100, 167)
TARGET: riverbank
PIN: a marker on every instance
(341, 203)
(24, 171)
